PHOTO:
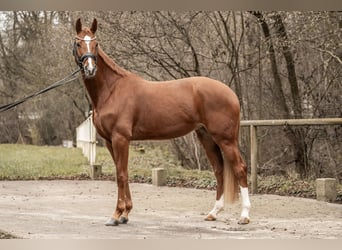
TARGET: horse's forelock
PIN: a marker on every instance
(87, 32)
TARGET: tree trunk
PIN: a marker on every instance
(290, 64)
(295, 135)
(278, 89)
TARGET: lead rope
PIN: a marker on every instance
(61, 82)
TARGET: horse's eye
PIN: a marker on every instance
(78, 45)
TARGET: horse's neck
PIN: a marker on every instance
(110, 64)
(107, 75)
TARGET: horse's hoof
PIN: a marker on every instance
(112, 222)
(210, 217)
(123, 220)
(243, 221)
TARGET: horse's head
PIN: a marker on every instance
(85, 48)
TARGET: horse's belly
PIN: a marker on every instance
(162, 131)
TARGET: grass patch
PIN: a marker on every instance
(27, 162)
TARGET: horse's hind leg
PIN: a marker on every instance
(215, 157)
(234, 161)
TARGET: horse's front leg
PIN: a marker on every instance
(120, 147)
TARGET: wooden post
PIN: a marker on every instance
(254, 158)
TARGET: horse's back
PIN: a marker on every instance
(200, 84)
(204, 93)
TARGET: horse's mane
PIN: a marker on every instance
(109, 61)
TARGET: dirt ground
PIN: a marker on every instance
(79, 209)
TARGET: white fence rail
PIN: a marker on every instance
(86, 139)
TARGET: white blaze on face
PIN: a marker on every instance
(87, 40)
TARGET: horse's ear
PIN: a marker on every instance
(94, 26)
(78, 26)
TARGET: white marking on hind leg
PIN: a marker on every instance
(246, 204)
(218, 207)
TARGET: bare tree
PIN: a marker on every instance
(34, 54)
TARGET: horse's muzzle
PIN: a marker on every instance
(89, 71)
(88, 63)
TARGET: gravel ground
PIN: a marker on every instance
(78, 209)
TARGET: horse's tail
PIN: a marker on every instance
(230, 184)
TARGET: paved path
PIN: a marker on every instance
(78, 209)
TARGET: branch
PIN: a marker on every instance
(280, 155)
(330, 53)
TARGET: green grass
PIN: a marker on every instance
(27, 162)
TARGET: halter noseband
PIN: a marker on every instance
(81, 59)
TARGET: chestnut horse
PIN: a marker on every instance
(127, 107)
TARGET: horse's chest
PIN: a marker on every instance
(99, 125)
(105, 124)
